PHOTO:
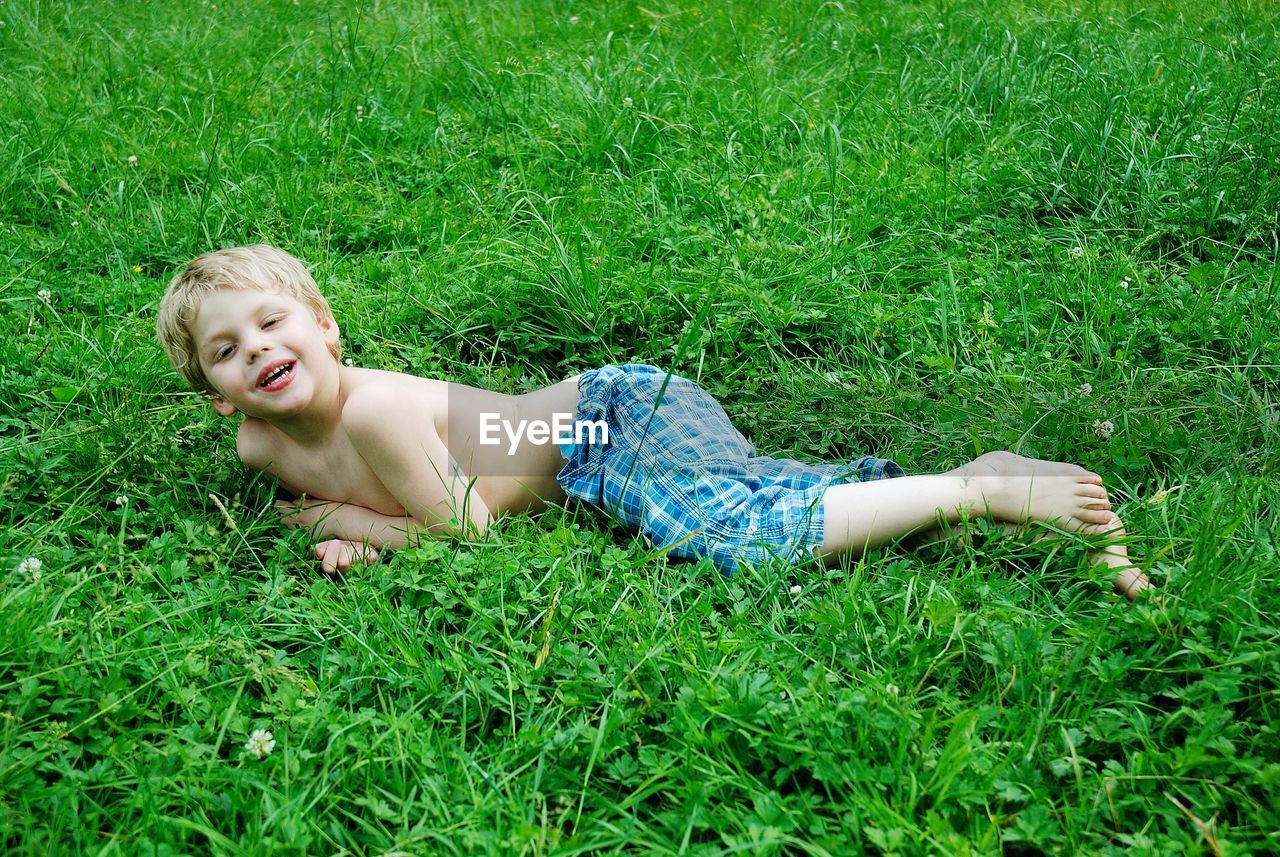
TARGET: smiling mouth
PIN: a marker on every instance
(277, 378)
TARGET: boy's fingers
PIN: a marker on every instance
(331, 556)
(336, 555)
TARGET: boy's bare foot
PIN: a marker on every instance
(1005, 463)
(1071, 502)
(1130, 581)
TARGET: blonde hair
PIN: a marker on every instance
(258, 267)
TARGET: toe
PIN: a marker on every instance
(1131, 582)
(1112, 527)
(1093, 493)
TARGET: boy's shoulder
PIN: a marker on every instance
(376, 396)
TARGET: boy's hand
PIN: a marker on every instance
(336, 555)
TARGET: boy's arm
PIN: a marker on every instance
(399, 442)
(351, 523)
(325, 519)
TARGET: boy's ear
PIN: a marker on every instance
(222, 406)
(329, 327)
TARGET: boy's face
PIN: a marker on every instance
(265, 354)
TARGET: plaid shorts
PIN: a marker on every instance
(676, 469)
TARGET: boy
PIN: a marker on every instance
(381, 458)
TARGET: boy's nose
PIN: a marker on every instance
(254, 349)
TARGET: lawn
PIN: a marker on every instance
(920, 230)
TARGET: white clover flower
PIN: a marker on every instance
(348, 361)
(75, 223)
(31, 565)
(122, 500)
(795, 590)
(1085, 389)
(835, 46)
(573, 19)
(626, 102)
(133, 160)
(891, 689)
(260, 743)
(941, 25)
(1104, 428)
(45, 296)
(1076, 252)
(1195, 138)
(1124, 284)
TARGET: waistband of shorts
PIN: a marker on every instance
(596, 388)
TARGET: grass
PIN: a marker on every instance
(913, 229)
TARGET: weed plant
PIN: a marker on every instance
(923, 230)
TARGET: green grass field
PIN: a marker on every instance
(914, 229)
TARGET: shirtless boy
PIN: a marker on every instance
(382, 458)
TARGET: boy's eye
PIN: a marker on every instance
(270, 322)
(224, 351)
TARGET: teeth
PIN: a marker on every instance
(276, 375)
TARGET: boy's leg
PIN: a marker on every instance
(859, 515)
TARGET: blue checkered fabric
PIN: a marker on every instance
(677, 470)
